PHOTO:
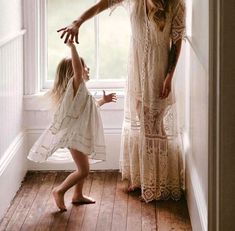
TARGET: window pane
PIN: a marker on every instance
(61, 13)
(114, 36)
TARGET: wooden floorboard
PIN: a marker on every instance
(60, 219)
(105, 217)
(120, 206)
(39, 203)
(33, 207)
(46, 218)
(148, 216)
(15, 202)
(22, 210)
(78, 211)
(134, 212)
(92, 211)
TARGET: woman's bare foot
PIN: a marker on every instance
(141, 199)
(59, 199)
(131, 189)
(83, 200)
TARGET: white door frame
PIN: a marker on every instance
(221, 198)
(214, 108)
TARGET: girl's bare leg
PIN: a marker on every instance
(78, 197)
(81, 173)
(78, 190)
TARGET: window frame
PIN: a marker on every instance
(45, 84)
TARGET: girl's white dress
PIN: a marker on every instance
(77, 124)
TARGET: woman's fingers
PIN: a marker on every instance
(64, 32)
(67, 37)
(72, 38)
(162, 92)
(165, 92)
(76, 38)
(61, 29)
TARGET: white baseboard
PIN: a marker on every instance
(197, 205)
(13, 167)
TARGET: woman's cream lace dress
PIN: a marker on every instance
(151, 156)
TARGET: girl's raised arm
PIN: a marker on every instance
(77, 65)
(71, 31)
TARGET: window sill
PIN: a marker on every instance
(38, 101)
(93, 84)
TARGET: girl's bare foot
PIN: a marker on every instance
(59, 199)
(83, 200)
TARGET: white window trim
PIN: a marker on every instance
(31, 71)
(189, 12)
(35, 52)
(42, 19)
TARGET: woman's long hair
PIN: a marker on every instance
(157, 12)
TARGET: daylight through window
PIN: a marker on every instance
(103, 41)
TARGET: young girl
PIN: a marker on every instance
(77, 126)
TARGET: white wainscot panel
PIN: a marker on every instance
(13, 165)
(11, 88)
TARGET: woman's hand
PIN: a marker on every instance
(70, 32)
(109, 98)
(166, 89)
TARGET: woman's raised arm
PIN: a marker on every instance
(71, 32)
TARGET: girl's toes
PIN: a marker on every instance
(59, 200)
(83, 200)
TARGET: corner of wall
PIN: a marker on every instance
(196, 202)
(13, 167)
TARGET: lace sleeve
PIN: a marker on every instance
(178, 22)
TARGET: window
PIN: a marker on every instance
(104, 42)
(189, 18)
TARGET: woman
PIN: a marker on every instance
(150, 151)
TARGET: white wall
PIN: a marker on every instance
(12, 139)
(11, 17)
(197, 156)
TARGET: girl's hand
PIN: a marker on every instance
(109, 98)
(166, 87)
(70, 43)
(70, 32)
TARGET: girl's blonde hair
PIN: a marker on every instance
(157, 12)
(64, 73)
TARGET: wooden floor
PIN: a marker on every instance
(33, 207)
